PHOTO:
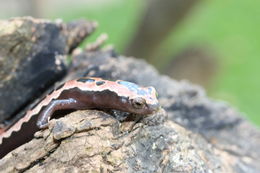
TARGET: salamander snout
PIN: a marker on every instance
(154, 107)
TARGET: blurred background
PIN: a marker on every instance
(211, 43)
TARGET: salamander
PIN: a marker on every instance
(80, 94)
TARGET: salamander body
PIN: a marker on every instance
(80, 94)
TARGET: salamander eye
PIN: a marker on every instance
(138, 103)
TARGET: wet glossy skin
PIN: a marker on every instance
(83, 93)
(99, 93)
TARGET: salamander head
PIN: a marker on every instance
(143, 100)
(145, 104)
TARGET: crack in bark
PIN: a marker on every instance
(40, 160)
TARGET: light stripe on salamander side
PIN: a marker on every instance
(122, 89)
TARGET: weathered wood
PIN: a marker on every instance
(33, 56)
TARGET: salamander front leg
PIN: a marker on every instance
(54, 105)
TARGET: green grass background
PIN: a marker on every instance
(230, 27)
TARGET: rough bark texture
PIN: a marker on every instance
(191, 133)
(30, 50)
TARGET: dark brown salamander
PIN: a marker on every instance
(84, 93)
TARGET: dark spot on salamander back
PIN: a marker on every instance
(84, 80)
(98, 83)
